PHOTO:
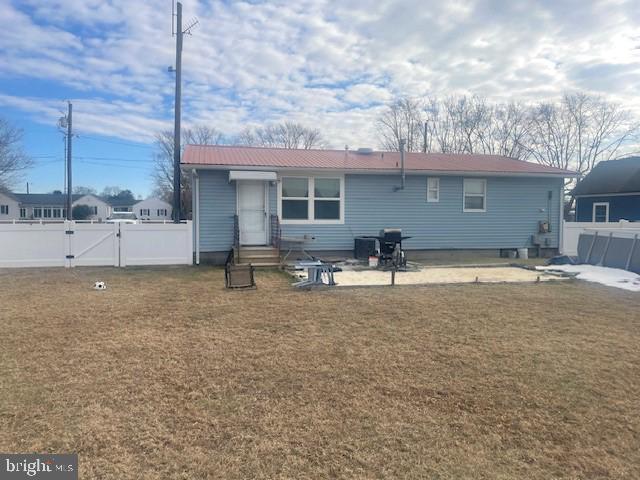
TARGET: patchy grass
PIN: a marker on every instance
(167, 375)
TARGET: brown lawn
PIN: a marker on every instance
(167, 375)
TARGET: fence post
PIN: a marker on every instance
(68, 247)
(593, 242)
(606, 250)
(122, 250)
(631, 250)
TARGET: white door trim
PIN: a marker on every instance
(266, 212)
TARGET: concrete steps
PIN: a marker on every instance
(260, 256)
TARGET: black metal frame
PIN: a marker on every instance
(231, 268)
(390, 248)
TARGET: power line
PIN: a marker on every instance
(135, 160)
(88, 162)
(47, 162)
(117, 142)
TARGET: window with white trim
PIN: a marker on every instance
(600, 212)
(4, 209)
(23, 212)
(433, 189)
(474, 195)
(162, 212)
(37, 212)
(311, 199)
(145, 212)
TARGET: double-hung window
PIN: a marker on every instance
(145, 212)
(433, 189)
(46, 212)
(162, 212)
(37, 212)
(475, 195)
(600, 212)
(4, 209)
(326, 201)
(23, 212)
(312, 199)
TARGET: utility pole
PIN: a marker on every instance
(177, 207)
(69, 142)
(179, 33)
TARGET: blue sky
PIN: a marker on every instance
(329, 64)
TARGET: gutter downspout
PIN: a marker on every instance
(561, 220)
(402, 143)
(195, 201)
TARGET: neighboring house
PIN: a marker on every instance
(610, 192)
(52, 206)
(100, 209)
(49, 206)
(9, 206)
(152, 209)
(449, 202)
(149, 209)
(45, 206)
(121, 204)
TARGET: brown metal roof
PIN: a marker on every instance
(258, 157)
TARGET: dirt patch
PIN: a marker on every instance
(167, 375)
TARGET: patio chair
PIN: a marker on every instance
(238, 275)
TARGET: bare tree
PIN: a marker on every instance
(13, 160)
(81, 190)
(163, 157)
(455, 125)
(403, 119)
(580, 131)
(291, 135)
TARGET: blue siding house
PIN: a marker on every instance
(610, 192)
(442, 201)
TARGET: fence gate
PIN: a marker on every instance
(93, 244)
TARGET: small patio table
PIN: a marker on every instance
(315, 270)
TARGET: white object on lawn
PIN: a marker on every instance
(523, 253)
(99, 286)
(611, 277)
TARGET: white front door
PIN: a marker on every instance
(252, 214)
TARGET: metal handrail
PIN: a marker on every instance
(276, 233)
(236, 232)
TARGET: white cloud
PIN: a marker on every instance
(329, 63)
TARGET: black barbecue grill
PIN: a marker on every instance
(391, 252)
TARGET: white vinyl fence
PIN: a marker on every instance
(572, 230)
(71, 244)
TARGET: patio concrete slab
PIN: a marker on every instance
(436, 275)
